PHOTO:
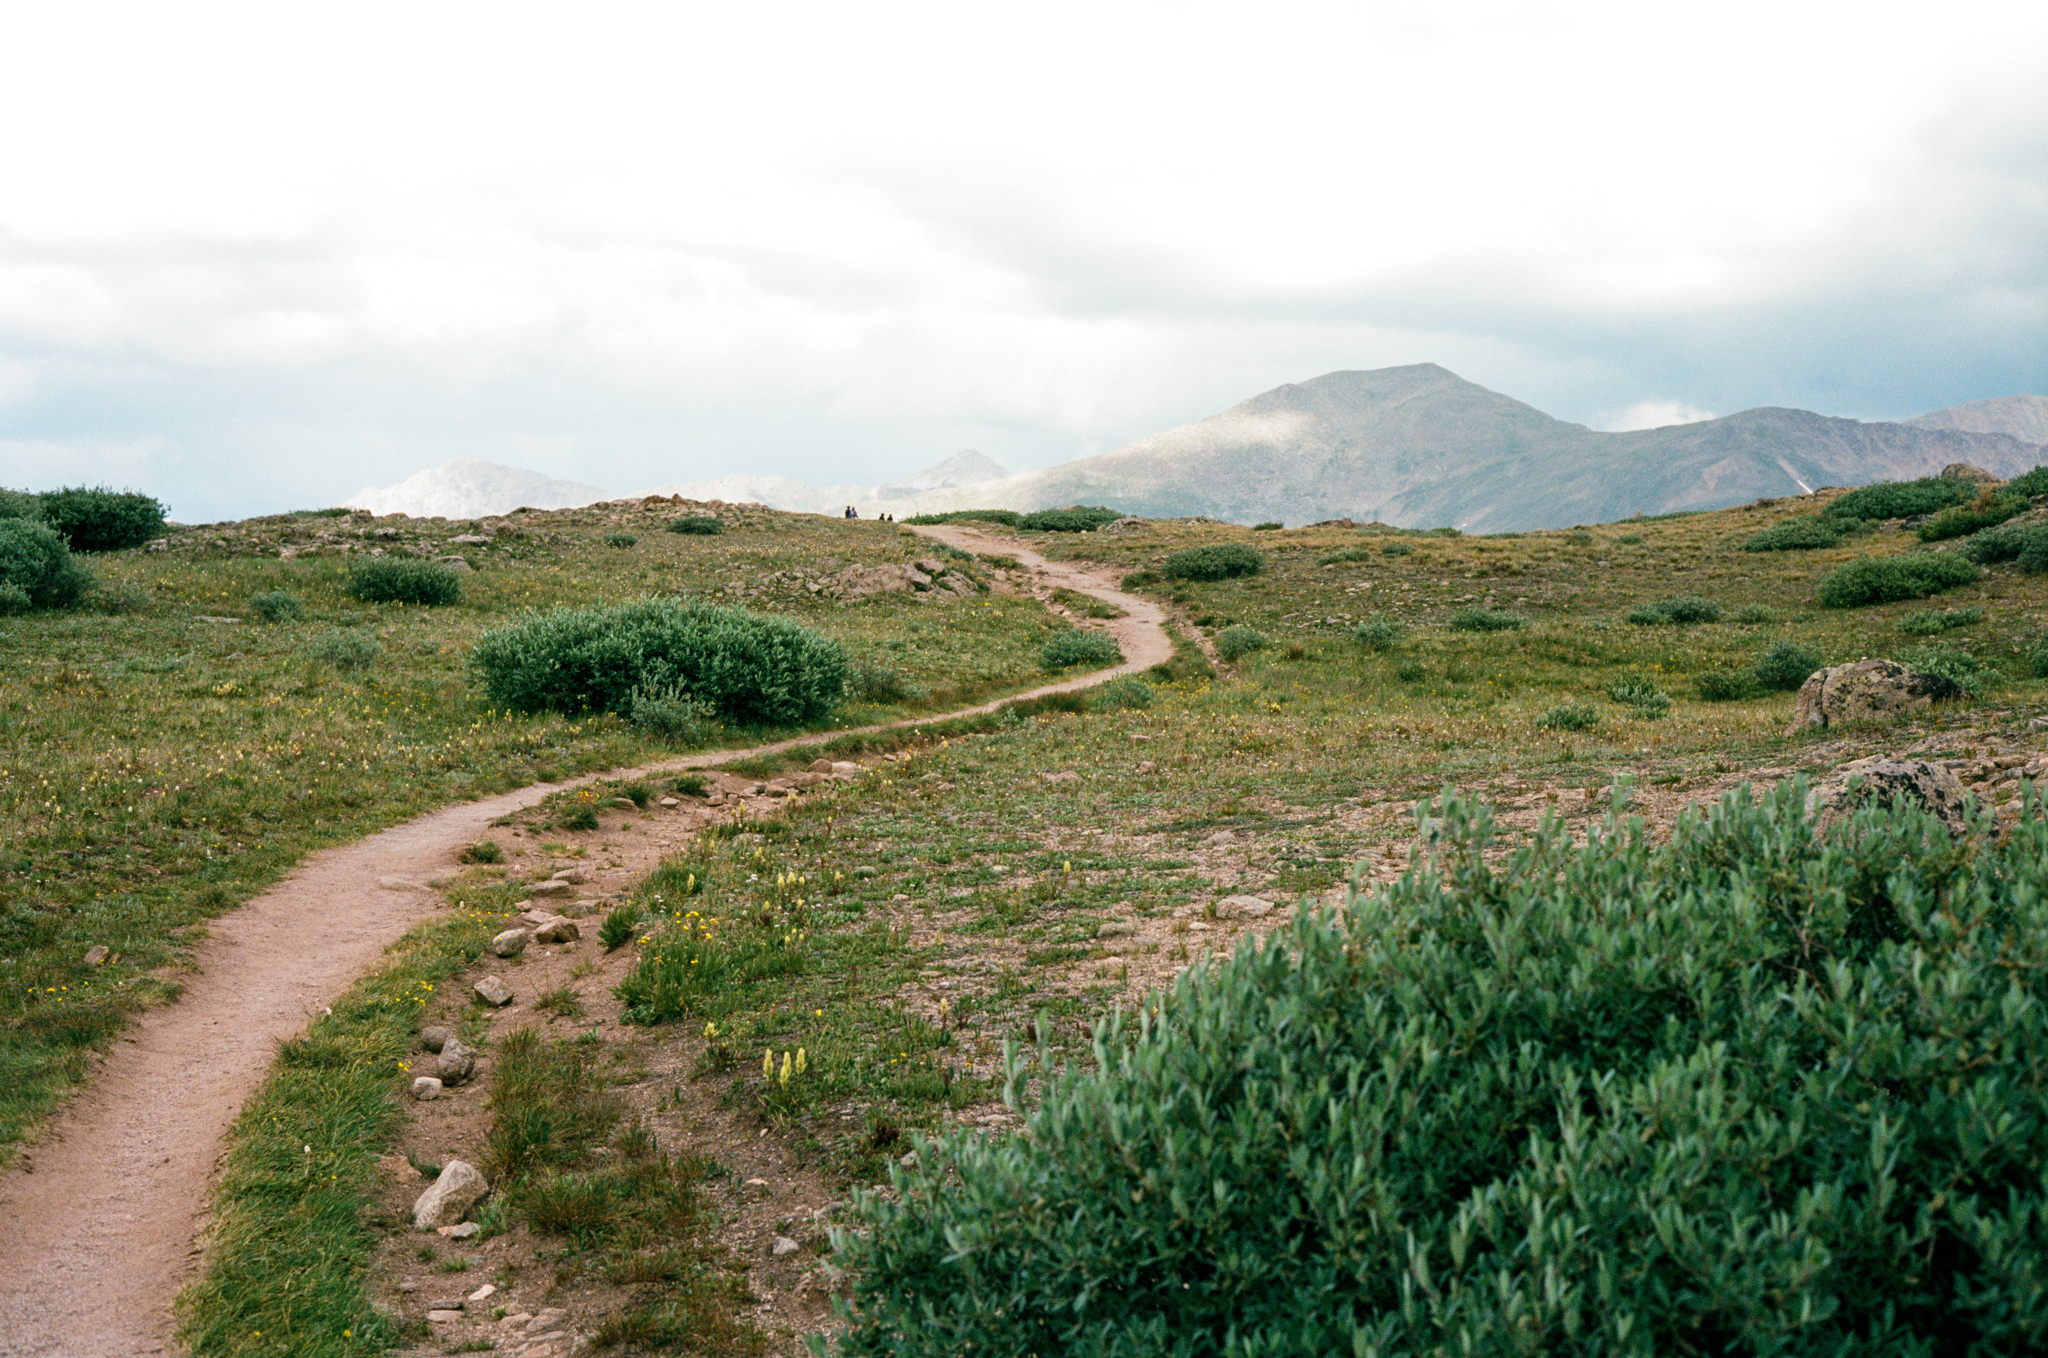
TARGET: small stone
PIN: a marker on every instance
(463, 1230)
(572, 875)
(493, 991)
(96, 954)
(441, 1317)
(426, 1088)
(823, 766)
(558, 930)
(783, 1245)
(511, 943)
(455, 1063)
(908, 1160)
(624, 803)
(460, 565)
(1243, 907)
(845, 766)
(449, 1199)
(550, 888)
(446, 1304)
(434, 1037)
(757, 1183)
(670, 803)
(547, 1319)
(484, 1293)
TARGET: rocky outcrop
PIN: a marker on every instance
(865, 582)
(460, 1187)
(1893, 783)
(1867, 691)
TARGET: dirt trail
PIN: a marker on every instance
(100, 1219)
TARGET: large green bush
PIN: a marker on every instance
(2032, 483)
(739, 665)
(1883, 579)
(1963, 520)
(100, 519)
(403, 580)
(1238, 640)
(1901, 499)
(36, 569)
(1749, 1091)
(1072, 519)
(1224, 561)
(1079, 648)
(2007, 543)
(1786, 666)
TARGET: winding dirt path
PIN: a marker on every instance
(100, 1219)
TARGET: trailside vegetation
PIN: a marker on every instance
(745, 667)
(1620, 1097)
(100, 519)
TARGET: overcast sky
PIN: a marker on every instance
(256, 257)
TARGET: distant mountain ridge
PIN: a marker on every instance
(2023, 417)
(469, 488)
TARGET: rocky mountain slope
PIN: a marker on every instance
(2023, 417)
(469, 488)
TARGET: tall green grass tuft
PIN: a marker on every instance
(1222, 561)
(403, 580)
(1069, 649)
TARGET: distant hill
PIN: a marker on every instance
(1420, 446)
(2023, 417)
(784, 492)
(469, 488)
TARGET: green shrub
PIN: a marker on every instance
(2033, 557)
(276, 605)
(402, 580)
(1009, 518)
(744, 667)
(2030, 484)
(1138, 579)
(1785, 666)
(1123, 693)
(618, 925)
(667, 712)
(1621, 1098)
(1963, 520)
(1932, 621)
(345, 648)
(1072, 519)
(1224, 561)
(692, 785)
(483, 851)
(1993, 545)
(1579, 537)
(1755, 613)
(100, 519)
(1267, 527)
(1079, 648)
(1798, 535)
(1409, 670)
(702, 524)
(1568, 717)
(20, 504)
(621, 540)
(1239, 640)
(37, 569)
(1884, 579)
(1684, 611)
(1964, 670)
(1379, 633)
(868, 682)
(1485, 620)
(1396, 548)
(1900, 499)
(1642, 697)
(1728, 686)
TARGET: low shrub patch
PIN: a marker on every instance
(1684, 611)
(37, 570)
(1727, 686)
(1933, 621)
(1072, 519)
(1238, 640)
(1124, 693)
(1267, 527)
(2031, 484)
(1379, 633)
(668, 712)
(1966, 671)
(742, 666)
(403, 580)
(1799, 535)
(1962, 520)
(1224, 561)
(1278, 1157)
(1348, 554)
(704, 525)
(1079, 648)
(277, 605)
(1138, 579)
(345, 648)
(1885, 579)
(1485, 620)
(1641, 697)
(101, 519)
(1568, 717)
(1900, 499)
(1993, 545)
(1009, 518)
(620, 539)
(1785, 666)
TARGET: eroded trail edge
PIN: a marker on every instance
(100, 1219)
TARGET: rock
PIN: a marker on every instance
(455, 563)
(1243, 907)
(1963, 471)
(493, 991)
(1869, 690)
(511, 943)
(439, 1316)
(574, 876)
(434, 1037)
(548, 1318)
(96, 954)
(558, 930)
(449, 1199)
(464, 1230)
(484, 1293)
(756, 1183)
(625, 803)
(550, 888)
(446, 1304)
(426, 1088)
(471, 540)
(669, 803)
(845, 766)
(783, 1245)
(822, 766)
(455, 1063)
(1130, 521)
(908, 1160)
(1891, 782)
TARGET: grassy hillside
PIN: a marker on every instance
(164, 754)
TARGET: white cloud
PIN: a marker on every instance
(1653, 414)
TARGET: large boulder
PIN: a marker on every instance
(460, 1187)
(1888, 782)
(1869, 690)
